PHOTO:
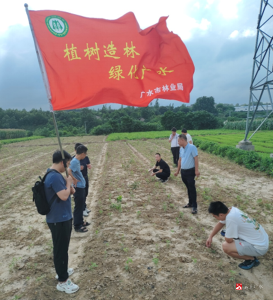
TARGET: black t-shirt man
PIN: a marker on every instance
(163, 166)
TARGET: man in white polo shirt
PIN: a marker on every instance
(189, 138)
(245, 238)
(188, 163)
(173, 139)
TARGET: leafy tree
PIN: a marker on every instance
(201, 120)
(206, 104)
(167, 120)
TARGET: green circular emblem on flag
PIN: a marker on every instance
(57, 25)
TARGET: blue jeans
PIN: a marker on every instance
(79, 198)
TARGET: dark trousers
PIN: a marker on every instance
(79, 199)
(175, 152)
(86, 190)
(188, 177)
(61, 233)
(161, 175)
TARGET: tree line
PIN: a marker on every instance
(204, 114)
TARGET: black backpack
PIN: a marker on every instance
(39, 197)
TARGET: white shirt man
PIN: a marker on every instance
(189, 138)
(173, 139)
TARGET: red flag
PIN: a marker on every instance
(95, 61)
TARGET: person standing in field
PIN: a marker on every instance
(85, 164)
(188, 165)
(59, 219)
(245, 238)
(173, 139)
(79, 196)
(189, 138)
(164, 172)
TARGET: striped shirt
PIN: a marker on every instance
(187, 155)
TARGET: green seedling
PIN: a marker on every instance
(13, 263)
(172, 205)
(168, 243)
(93, 266)
(116, 206)
(181, 214)
(138, 213)
(165, 206)
(125, 249)
(177, 220)
(127, 267)
(194, 260)
(233, 274)
(155, 260)
(134, 185)
(119, 199)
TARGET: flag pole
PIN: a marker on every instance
(46, 83)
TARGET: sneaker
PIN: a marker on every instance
(70, 271)
(249, 264)
(87, 210)
(68, 287)
(164, 180)
(85, 214)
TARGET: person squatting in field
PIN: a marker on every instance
(245, 238)
(85, 164)
(59, 219)
(188, 166)
(79, 196)
(173, 139)
(164, 172)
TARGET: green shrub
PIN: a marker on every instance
(266, 165)
(250, 159)
(4, 142)
(12, 133)
(102, 129)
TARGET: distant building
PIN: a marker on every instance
(263, 107)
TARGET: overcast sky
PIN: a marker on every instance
(219, 35)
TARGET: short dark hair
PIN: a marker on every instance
(217, 207)
(184, 130)
(57, 157)
(174, 129)
(158, 154)
(182, 136)
(77, 145)
(81, 149)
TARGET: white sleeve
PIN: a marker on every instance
(223, 222)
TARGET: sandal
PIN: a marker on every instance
(194, 211)
(82, 229)
(85, 224)
(187, 206)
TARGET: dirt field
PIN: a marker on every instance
(147, 247)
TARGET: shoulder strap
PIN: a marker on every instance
(43, 180)
(50, 171)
